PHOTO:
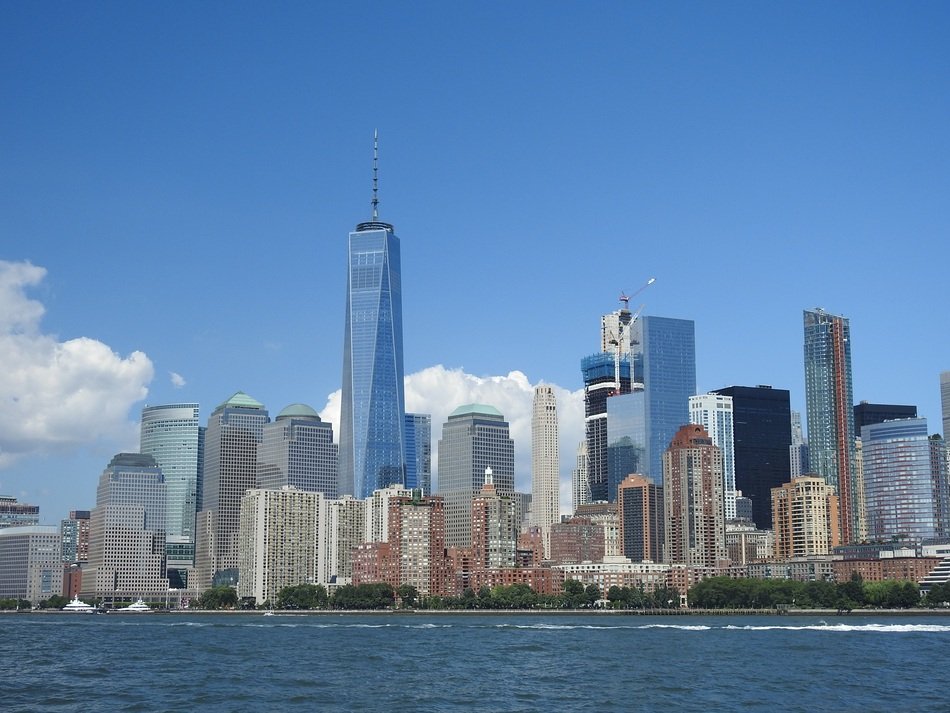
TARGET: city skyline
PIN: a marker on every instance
(164, 212)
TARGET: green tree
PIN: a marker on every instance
(302, 596)
(221, 597)
(407, 595)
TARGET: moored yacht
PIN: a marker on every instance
(79, 607)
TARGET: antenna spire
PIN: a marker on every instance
(375, 201)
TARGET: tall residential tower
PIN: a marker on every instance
(545, 466)
(830, 407)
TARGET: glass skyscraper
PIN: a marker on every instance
(172, 435)
(372, 414)
(419, 452)
(830, 409)
(905, 487)
(762, 436)
(664, 361)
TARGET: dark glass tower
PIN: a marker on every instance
(762, 435)
(866, 414)
(372, 413)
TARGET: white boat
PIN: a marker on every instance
(79, 607)
(139, 607)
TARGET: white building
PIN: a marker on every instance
(545, 463)
(345, 529)
(279, 541)
(618, 571)
(377, 512)
(31, 565)
(714, 413)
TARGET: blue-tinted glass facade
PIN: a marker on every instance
(372, 414)
(905, 494)
(600, 383)
(664, 361)
(626, 439)
(419, 451)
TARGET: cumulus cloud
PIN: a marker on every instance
(177, 379)
(55, 394)
(439, 391)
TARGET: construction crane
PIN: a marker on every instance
(625, 320)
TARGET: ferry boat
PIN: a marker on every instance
(79, 607)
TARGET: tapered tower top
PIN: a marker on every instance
(375, 223)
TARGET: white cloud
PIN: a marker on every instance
(439, 391)
(58, 395)
(177, 379)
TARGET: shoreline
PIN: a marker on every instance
(863, 613)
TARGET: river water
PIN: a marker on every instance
(471, 662)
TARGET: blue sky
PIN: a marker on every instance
(186, 176)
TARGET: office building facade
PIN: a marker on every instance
(127, 533)
(16, 514)
(866, 414)
(297, 450)
(235, 430)
(906, 495)
(31, 566)
(419, 452)
(663, 353)
(762, 436)
(372, 412)
(475, 437)
(173, 436)
(830, 409)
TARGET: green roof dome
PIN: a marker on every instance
(480, 409)
(242, 400)
(298, 411)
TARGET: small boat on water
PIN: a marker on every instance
(79, 607)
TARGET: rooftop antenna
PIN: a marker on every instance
(375, 174)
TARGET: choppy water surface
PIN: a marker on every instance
(417, 662)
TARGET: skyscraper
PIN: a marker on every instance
(714, 413)
(580, 484)
(762, 436)
(867, 413)
(798, 452)
(906, 496)
(692, 499)
(545, 464)
(297, 449)
(474, 437)
(664, 361)
(279, 534)
(127, 532)
(234, 431)
(945, 402)
(419, 452)
(829, 404)
(172, 435)
(601, 373)
(372, 412)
